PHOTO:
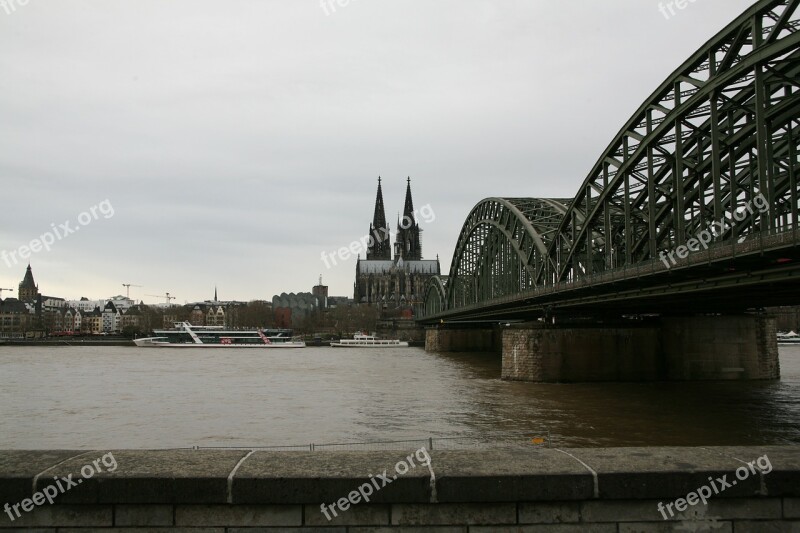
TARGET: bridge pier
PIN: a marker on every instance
(463, 340)
(742, 347)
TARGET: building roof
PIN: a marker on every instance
(424, 266)
(374, 267)
(27, 281)
(301, 300)
(12, 305)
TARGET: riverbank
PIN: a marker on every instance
(515, 489)
(127, 342)
(72, 341)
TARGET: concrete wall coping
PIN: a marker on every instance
(242, 476)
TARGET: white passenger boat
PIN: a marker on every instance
(187, 336)
(788, 338)
(368, 341)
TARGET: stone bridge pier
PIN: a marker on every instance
(450, 339)
(740, 347)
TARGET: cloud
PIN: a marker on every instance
(238, 140)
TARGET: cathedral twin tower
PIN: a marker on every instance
(397, 282)
(407, 243)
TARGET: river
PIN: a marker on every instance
(111, 398)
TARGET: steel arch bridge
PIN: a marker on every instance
(698, 188)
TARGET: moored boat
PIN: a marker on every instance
(368, 341)
(187, 336)
(788, 338)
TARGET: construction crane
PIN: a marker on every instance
(167, 296)
(1, 291)
(128, 289)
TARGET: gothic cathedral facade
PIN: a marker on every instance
(397, 282)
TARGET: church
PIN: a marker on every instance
(394, 283)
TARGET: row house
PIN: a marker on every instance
(131, 318)
(111, 318)
(52, 312)
(72, 322)
(15, 318)
(92, 322)
(95, 322)
(208, 315)
(34, 311)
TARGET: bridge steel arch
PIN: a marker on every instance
(722, 130)
(719, 136)
(435, 299)
(502, 245)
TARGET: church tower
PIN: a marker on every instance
(28, 291)
(408, 245)
(380, 249)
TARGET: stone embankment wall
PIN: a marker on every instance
(503, 490)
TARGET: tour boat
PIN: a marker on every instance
(187, 336)
(367, 341)
(788, 338)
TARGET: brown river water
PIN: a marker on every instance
(111, 398)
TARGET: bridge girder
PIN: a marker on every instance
(722, 131)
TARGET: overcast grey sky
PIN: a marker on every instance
(238, 140)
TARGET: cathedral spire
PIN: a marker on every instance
(379, 218)
(408, 210)
(408, 244)
(379, 248)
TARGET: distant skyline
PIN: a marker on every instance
(191, 144)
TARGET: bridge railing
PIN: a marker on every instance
(716, 251)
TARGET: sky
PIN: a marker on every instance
(186, 144)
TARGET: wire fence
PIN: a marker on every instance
(526, 440)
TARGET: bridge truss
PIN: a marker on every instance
(717, 145)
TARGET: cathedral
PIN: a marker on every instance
(399, 282)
